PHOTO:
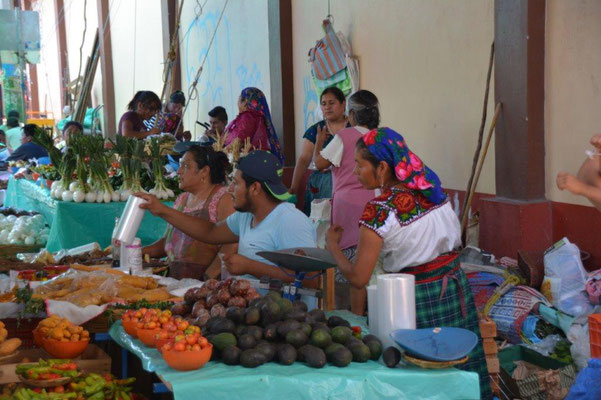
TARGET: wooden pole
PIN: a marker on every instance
(470, 195)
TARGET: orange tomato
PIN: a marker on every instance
(203, 342)
(196, 347)
(190, 339)
(179, 346)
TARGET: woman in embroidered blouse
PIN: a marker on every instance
(254, 122)
(202, 175)
(319, 184)
(349, 197)
(413, 229)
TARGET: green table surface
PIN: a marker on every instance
(76, 224)
(370, 380)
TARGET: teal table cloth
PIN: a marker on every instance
(370, 380)
(76, 224)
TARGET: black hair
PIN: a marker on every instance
(147, 98)
(30, 130)
(249, 180)
(12, 122)
(217, 161)
(2, 132)
(333, 90)
(366, 154)
(74, 124)
(178, 97)
(364, 105)
(219, 113)
(13, 114)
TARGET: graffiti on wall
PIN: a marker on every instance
(311, 110)
(224, 73)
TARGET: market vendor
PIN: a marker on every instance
(28, 150)
(71, 129)
(143, 106)
(202, 176)
(412, 228)
(254, 123)
(169, 120)
(264, 221)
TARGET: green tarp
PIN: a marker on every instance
(76, 224)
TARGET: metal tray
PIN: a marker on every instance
(311, 259)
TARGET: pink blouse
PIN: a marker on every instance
(248, 124)
(178, 245)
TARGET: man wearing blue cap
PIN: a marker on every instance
(264, 221)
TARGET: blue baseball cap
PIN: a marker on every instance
(266, 168)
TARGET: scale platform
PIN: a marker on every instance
(301, 260)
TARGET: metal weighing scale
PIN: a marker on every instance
(301, 260)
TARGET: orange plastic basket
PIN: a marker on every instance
(594, 329)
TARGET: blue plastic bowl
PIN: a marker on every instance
(436, 344)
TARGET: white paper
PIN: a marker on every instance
(396, 305)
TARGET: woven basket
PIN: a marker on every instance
(433, 364)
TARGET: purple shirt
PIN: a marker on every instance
(135, 120)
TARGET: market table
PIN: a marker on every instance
(368, 380)
(76, 224)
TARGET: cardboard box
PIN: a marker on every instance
(93, 359)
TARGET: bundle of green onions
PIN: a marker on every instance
(130, 152)
(157, 151)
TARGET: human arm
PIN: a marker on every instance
(302, 164)
(237, 264)
(580, 186)
(368, 250)
(225, 208)
(320, 162)
(197, 228)
(155, 250)
(241, 128)
(127, 129)
(19, 154)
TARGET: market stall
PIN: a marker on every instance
(75, 224)
(298, 381)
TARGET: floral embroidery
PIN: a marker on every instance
(406, 205)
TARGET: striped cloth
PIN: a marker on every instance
(455, 308)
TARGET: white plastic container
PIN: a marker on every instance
(134, 257)
(130, 220)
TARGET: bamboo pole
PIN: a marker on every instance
(470, 195)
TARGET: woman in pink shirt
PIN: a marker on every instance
(348, 195)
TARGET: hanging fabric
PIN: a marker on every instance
(332, 63)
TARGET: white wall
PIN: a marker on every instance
(572, 88)
(238, 58)
(48, 71)
(137, 43)
(426, 60)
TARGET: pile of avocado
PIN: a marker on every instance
(273, 329)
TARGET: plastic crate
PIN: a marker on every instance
(594, 329)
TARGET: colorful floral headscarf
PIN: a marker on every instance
(389, 146)
(255, 100)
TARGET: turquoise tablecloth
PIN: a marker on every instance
(76, 224)
(370, 380)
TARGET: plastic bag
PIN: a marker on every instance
(565, 279)
(578, 335)
(587, 385)
(546, 345)
(321, 216)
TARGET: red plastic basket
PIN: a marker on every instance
(594, 329)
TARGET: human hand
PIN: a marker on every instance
(152, 204)
(323, 133)
(596, 141)
(235, 263)
(333, 236)
(154, 131)
(567, 181)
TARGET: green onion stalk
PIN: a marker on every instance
(157, 151)
(102, 191)
(130, 152)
